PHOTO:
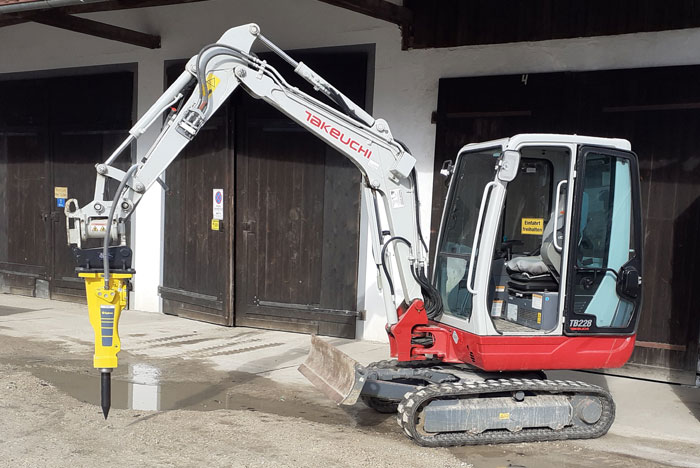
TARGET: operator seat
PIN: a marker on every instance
(540, 272)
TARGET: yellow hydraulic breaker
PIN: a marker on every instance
(104, 307)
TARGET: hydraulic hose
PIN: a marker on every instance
(110, 217)
(201, 68)
(386, 270)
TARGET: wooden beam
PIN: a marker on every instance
(380, 9)
(95, 28)
(10, 19)
(122, 5)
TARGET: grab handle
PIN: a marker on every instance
(556, 215)
(475, 245)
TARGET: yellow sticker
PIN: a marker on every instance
(212, 82)
(539, 317)
(503, 415)
(60, 192)
(532, 226)
(214, 224)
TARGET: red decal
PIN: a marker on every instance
(337, 134)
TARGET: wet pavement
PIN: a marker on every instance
(140, 386)
(184, 380)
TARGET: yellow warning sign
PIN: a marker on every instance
(503, 415)
(532, 226)
(212, 82)
(214, 224)
(60, 192)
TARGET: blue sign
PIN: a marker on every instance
(61, 202)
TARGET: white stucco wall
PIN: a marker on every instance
(405, 86)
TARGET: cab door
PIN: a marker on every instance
(604, 287)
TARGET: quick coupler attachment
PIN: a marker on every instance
(104, 308)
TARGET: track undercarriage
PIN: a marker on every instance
(439, 405)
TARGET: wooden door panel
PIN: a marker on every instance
(287, 212)
(288, 219)
(24, 210)
(196, 258)
(197, 261)
(297, 216)
(74, 155)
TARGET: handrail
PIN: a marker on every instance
(556, 215)
(475, 244)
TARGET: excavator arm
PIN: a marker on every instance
(387, 167)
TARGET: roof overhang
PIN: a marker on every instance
(423, 24)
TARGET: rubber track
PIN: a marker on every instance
(408, 412)
(389, 406)
(394, 364)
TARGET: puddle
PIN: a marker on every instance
(7, 310)
(142, 391)
(141, 388)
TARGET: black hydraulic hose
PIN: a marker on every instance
(201, 67)
(431, 297)
(386, 271)
(105, 244)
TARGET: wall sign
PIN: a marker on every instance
(218, 200)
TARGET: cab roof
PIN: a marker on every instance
(516, 141)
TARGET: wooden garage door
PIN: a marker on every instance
(52, 133)
(658, 110)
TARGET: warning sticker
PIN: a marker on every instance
(214, 224)
(396, 198)
(496, 308)
(212, 82)
(500, 289)
(60, 192)
(512, 313)
(503, 416)
(537, 301)
(532, 226)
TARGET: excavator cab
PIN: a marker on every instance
(541, 235)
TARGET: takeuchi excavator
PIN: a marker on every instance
(538, 264)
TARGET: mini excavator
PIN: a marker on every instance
(538, 264)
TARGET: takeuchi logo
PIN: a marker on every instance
(337, 134)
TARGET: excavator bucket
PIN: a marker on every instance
(336, 374)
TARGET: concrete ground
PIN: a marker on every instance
(189, 393)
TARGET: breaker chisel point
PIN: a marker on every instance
(106, 391)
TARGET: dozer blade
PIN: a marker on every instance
(336, 374)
